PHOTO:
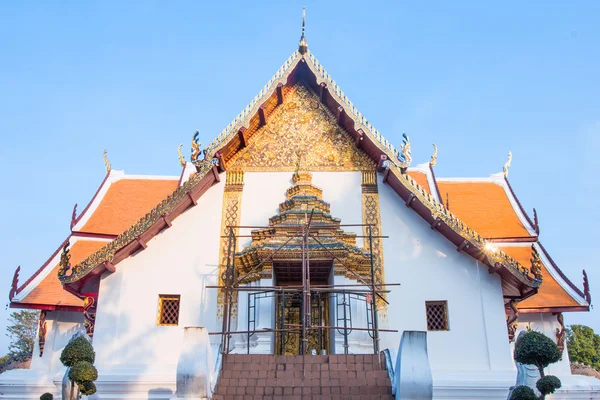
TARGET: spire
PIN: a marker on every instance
(303, 45)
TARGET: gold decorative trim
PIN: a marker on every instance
(371, 215)
(230, 216)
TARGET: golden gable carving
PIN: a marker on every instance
(301, 125)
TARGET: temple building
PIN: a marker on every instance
(299, 230)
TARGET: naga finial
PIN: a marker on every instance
(74, 216)
(106, 162)
(586, 288)
(180, 154)
(303, 45)
(404, 155)
(15, 284)
(195, 147)
(536, 264)
(433, 160)
(507, 164)
(536, 222)
(65, 260)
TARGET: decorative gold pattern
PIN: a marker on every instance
(512, 319)
(230, 216)
(89, 315)
(536, 264)
(106, 162)
(372, 216)
(302, 125)
(560, 334)
(42, 332)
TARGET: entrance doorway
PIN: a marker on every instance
(288, 307)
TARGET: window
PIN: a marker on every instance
(168, 309)
(437, 315)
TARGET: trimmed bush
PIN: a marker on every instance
(47, 396)
(87, 387)
(536, 349)
(78, 349)
(83, 371)
(523, 393)
(548, 384)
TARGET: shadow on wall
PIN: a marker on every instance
(159, 393)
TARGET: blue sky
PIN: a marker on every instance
(138, 78)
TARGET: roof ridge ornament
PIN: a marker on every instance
(404, 155)
(180, 154)
(195, 147)
(303, 44)
(433, 160)
(106, 162)
(507, 164)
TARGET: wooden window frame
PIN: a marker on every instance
(443, 303)
(161, 299)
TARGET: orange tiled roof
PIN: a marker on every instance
(126, 201)
(50, 291)
(485, 207)
(550, 294)
(420, 178)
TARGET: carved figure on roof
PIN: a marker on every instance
(15, 283)
(180, 154)
(404, 156)
(433, 160)
(195, 147)
(586, 288)
(65, 260)
(507, 164)
(74, 216)
(536, 264)
(106, 162)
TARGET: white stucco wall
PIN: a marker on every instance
(180, 260)
(428, 267)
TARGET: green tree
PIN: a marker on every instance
(21, 331)
(583, 345)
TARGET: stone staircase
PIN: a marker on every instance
(261, 376)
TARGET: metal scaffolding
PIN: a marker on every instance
(370, 291)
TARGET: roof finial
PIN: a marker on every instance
(106, 162)
(433, 160)
(180, 154)
(507, 164)
(303, 45)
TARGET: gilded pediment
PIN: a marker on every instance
(301, 125)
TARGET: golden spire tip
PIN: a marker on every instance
(303, 45)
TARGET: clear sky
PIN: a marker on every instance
(139, 77)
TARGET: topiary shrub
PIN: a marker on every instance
(548, 384)
(537, 349)
(79, 356)
(83, 371)
(78, 349)
(523, 393)
(47, 396)
(87, 387)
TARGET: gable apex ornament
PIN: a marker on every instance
(507, 164)
(106, 162)
(303, 44)
(433, 160)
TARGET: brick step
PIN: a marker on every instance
(259, 376)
